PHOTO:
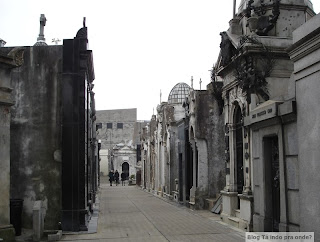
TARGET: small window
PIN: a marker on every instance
(109, 125)
(119, 125)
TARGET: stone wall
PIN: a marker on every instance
(104, 167)
(306, 56)
(36, 133)
(7, 62)
(210, 126)
(113, 136)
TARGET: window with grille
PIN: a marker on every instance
(109, 125)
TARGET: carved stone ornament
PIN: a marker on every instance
(82, 33)
(252, 70)
(232, 96)
(262, 24)
(17, 55)
(18, 58)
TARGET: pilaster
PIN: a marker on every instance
(7, 231)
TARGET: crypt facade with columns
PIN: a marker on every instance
(262, 160)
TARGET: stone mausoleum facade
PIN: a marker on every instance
(248, 145)
(182, 148)
(119, 133)
(267, 82)
(51, 160)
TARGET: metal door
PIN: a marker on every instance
(275, 184)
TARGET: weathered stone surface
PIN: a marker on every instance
(55, 237)
(38, 220)
(271, 120)
(293, 207)
(4, 164)
(291, 139)
(7, 233)
(112, 136)
(292, 164)
(305, 54)
(36, 132)
(6, 65)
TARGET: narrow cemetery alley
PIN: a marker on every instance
(214, 107)
(128, 213)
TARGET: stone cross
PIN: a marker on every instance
(200, 83)
(191, 81)
(43, 21)
(160, 95)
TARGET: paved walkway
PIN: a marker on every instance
(129, 214)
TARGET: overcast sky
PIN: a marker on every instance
(139, 46)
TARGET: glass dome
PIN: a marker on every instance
(178, 93)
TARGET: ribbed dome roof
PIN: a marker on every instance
(178, 93)
(40, 43)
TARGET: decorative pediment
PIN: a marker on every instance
(252, 64)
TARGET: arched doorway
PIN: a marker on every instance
(238, 150)
(125, 169)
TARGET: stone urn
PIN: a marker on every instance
(235, 27)
(252, 23)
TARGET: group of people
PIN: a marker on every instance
(114, 177)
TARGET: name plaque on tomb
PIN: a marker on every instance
(263, 112)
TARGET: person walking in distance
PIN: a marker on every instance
(116, 177)
(123, 178)
(111, 177)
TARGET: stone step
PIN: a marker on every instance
(209, 203)
(192, 205)
(234, 221)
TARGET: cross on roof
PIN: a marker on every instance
(41, 41)
(43, 21)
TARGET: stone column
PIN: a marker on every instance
(230, 194)
(158, 167)
(194, 177)
(232, 162)
(202, 166)
(247, 162)
(6, 230)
